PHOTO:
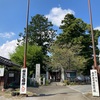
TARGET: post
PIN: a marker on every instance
(26, 37)
(93, 45)
(96, 68)
(23, 80)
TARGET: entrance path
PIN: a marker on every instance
(57, 93)
(84, 89)
(51, 93)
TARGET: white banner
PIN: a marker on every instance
(1, 71)
(94, 82)
(23, 81)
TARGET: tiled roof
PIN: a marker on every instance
(7, 62)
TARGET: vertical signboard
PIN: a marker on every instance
(94, 82)
(23, 81)
(1, 71)
(37, 72)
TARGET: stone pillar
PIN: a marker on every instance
(47, 73)
(43, 81)
(37, 74)
(62, 74)
(39, 81)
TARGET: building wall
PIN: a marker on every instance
(9, 77)
(1, 81)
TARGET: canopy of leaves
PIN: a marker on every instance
(67, 57)
(34, 56)
(40, 32)
(77, 32)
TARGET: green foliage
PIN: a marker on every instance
(18, 55)
(1, 66)
(73, 30)
(72, 48)
(34, 56)
(67, 57)
(40, 32)
(66, 82)
(77, 32)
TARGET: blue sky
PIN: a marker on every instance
(13, 17)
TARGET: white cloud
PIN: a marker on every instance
(97, 28)
(8, 47)
(7, 35)
(57, 14)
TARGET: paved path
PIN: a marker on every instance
(74, 92)
(82, 88)
(56, 93)
(51, 93)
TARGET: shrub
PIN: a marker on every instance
(67, 82)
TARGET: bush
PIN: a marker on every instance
(67, 82)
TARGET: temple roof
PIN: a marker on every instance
(7, 62)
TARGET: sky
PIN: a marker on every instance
(13, 17)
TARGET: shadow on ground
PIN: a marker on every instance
(43, 95)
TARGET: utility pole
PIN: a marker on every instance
(94, 83)
(26, 37)
(23, 80)
(93, 45)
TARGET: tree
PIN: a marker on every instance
(34, 56)
(40, 32)
(76, 31)
(67, 57)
